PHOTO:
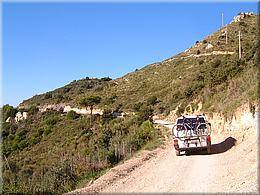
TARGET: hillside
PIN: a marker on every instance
(53, 151)
(197, 74)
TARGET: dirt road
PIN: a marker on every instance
(231, 167)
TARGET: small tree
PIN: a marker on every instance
(137, 106)
(33, 110)
(152, 100)
(90, 101)
(145, 113)
(106, 79)
(72, 115)
(8, 111)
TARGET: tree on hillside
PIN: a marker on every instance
(8, 111)
(145, 113)
(152, 100)
(90, 101)
(33, 110)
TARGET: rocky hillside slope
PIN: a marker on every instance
(208, 72)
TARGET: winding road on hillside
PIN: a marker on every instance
(231, 167)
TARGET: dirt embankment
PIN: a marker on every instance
(231, 166)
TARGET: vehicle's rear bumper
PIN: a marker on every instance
(191, 148)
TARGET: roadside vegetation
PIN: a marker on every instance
(55, 152)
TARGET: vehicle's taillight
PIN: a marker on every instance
(175, 142)
(208, 138)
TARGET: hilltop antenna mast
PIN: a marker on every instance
(239, 44)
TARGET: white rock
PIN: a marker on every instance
(241, 16)
(209, 46)
(83, 110)
(24, 115)
(18, 117)
(8, 120)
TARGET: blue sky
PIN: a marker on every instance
(47, 45)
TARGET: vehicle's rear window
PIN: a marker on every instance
(191, 120)
(201, 120)
(192, 123)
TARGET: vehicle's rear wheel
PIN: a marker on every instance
(177, 152)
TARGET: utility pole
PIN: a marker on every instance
(226, 35)
(239, 44)
(222, 20)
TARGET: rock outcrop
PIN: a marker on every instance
(82, 110)
(241, 16)
(58, 107)
(209, 46)
(20, 116)
(243, 118)
(67, 108)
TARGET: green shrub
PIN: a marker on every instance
(201, 62)
(32, 110)
(22, 144)
(15, 146)
(188, 109)
(107, 115)
(145, 113)
(48, 95)
(216, 63)
(40, 131)
(8, 128)
(180, 110)
(137, 106)
(50, 121)
(59, 98)
(111, 99)
(47, 130)
(87, 133)
(105, 79)
(8, 111)
(35, 140)
(111, 157)
(194, 87)
(221, 72)
(71, 115)
(22, 133)
(152, 100)
(177, 96)
(194, 106)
